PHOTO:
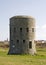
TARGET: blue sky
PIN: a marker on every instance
(35, 8)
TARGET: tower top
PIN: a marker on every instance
(21, 16)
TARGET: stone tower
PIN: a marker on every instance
(22, 34)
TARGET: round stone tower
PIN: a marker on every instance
(22, 35)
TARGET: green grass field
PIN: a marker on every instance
(39, 59)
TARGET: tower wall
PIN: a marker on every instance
(22, 35)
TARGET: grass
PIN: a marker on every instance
(39, 59)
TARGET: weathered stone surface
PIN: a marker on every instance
(22, 35)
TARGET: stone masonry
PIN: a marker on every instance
(22, 35)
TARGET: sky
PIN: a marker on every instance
(34, 8)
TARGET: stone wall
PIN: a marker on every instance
(22, 35)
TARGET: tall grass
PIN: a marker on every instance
(39, 59)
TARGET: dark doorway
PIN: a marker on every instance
(30, 44)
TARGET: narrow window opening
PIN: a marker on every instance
(17, 41)
(30, 44)
(20, 29)
(32, 29)
(27, 29)
(23, 41)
